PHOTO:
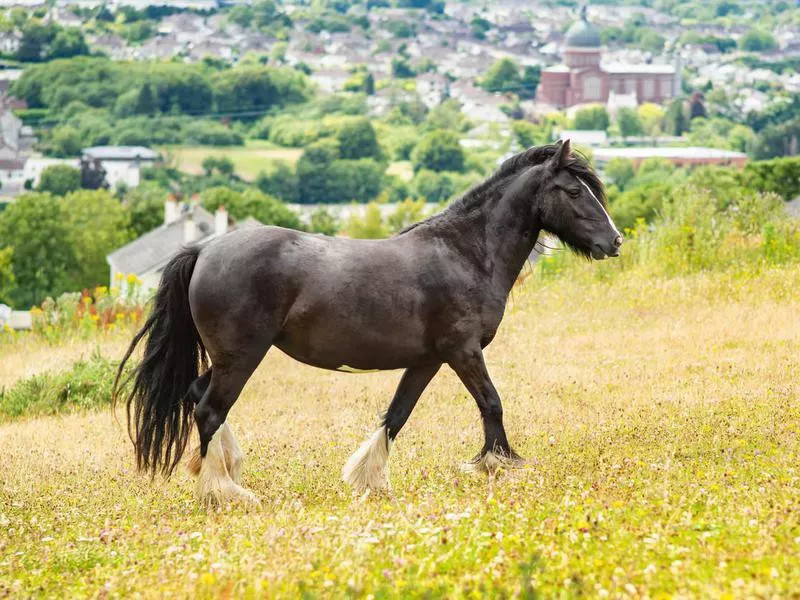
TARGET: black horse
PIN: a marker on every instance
(434, 294)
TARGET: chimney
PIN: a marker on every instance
(189, 229)
(221, 221)
(171, 212)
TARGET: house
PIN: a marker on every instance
(12, 176)
(10, 41)
(10, 132)
(432, 89)
(122, 164)
(331, 80)
(147, 256)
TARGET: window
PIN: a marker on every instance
(649, 88)
(666, 88)
(591, 88)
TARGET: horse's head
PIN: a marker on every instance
(572, 205)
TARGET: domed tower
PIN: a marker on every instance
(583, 44)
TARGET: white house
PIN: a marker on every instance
(122, 164)
(432, 89)
(10, 41)
(12, 176)
(331, 80)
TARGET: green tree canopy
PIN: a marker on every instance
(629, 123)
(36, 227)
(592, 118)
(357, 139)
(59, 180)
(439, 151)
(502, 76)
(97, 224)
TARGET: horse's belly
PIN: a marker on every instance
(360, 348)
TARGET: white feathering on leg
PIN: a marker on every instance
(365, 470)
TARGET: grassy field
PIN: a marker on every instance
(248, 160)
(660, 419)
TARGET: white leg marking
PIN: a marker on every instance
(603, 208)
(233, 453)
(365, 470)
(491, 462)
(214, 485)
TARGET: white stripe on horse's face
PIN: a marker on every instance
(603, 208)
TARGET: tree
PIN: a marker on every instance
(439, 151)
(446, 115)
(629, 123)
(401, 69)
(433, 187)
(66, 141)
(145, 101)
(98, 225)
(370, 226)
(696, 106)
(756, 40)
(619, 171)
(68, 43)
(145, 203)
(652, 116)
(281, 182)
(324, 222)
(369, 84)
(357, 139)
(594, 118)
(502, 76)
(59, 180)
(675, 119)
(36, 228)
(93, 175)
(781, 139)
(7, 278)
(529, 82)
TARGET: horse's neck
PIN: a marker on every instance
(507, 238)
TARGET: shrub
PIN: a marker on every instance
(87, 384)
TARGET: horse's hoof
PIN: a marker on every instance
(231, 494)
(490, 462)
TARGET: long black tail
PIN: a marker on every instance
(160, 410)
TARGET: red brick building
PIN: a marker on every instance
(582, 79)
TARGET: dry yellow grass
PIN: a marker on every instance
(661, 420)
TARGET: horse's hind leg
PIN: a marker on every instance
(230, 447)
(220, 455)
(366, 469)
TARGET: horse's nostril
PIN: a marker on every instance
(618, 241)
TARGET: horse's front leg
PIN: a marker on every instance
(365, 470)
(496, 452)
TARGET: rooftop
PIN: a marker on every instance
(121, 153)
(583, 34)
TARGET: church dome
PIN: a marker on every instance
(583, 34)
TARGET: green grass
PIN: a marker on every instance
(87, 384)
(659, 417)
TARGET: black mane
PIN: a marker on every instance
(577, 164)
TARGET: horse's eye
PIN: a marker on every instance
(574, 192)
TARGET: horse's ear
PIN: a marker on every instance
(561, 155)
